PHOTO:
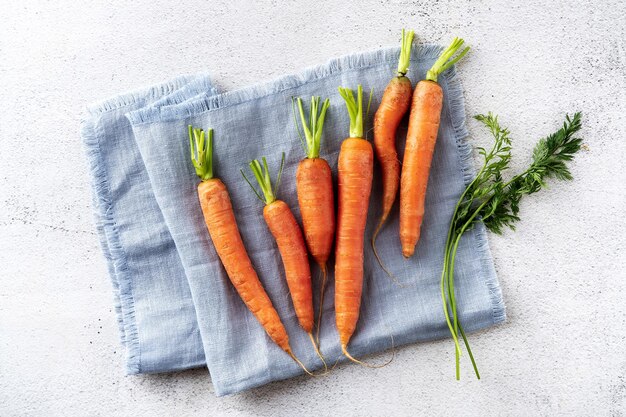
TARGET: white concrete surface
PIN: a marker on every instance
(563, 272)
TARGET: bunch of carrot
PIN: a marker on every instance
(314, 189)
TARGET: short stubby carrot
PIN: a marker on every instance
(314, 186)
(286, 231)
(393, 106)
(420, 144)
(222, 226)
(355, 172)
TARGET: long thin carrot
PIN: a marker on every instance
(314, 186)
(393, 106)
(284, 227)
(420, 144)
(355, 171)
(222, 226)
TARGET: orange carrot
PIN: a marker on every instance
(314, 185)
(222, 226)
(420, 144)
(284, 227)
(393, 106)
(355, 168)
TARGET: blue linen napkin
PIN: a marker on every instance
(257, 121)
(155, 313)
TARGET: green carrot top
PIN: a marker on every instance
(355, 109)
(201, 148)
(313, 127)
(445, 60)
(262, 175)
(405, 52)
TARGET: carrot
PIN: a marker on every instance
(222, 226)
(284, 227)
(314, 186)
(420, 144)
(393, 106)
(355, 171)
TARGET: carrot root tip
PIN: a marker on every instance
(380, 261)
(304, 368)
(321, 304)
(319, 354)
(344, 350)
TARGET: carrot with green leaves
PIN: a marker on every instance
(314, 186)
(286, 231)
(420, 144)
(222, 226)
(355, 172)
(393, 106)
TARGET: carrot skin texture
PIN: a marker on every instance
(314, 186)
(355, 171)
(393, 106)
(420, 144)
(286, 231)
(220, 221)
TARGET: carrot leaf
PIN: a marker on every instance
(405, 52)
(355, 110)
(262, 175)
(313, 126)
(445, 60)
(201, 149)
(491, 200)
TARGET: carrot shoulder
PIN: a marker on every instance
(420, 144)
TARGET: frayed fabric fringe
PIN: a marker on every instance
(334, 66)
(114, 253)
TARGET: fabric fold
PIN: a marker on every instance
(155, 314)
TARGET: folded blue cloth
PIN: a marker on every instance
(151, 218)
(155, 313)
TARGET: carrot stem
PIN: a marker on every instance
(405, 52)
(201, 148)
(355, 110)
(313, 127)
(445, 60)
(344, 349)
(262, 176)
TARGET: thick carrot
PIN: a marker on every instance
(314, 186)
(355, 171)
(393, 106)
(222, 226)
(284, 227)
(420, 144)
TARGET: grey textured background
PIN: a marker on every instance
(563, 274)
